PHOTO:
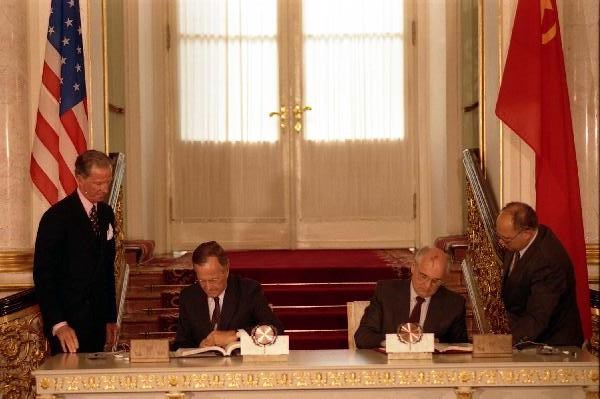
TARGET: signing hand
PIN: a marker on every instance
(219, 338)
(208, 341)
(67, 338)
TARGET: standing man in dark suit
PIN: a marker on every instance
(212, 309)
(422, 300)
(538, 280)
(73, 266)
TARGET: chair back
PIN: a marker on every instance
(355, 310)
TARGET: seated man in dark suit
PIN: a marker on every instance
(212, 309)
(422, 299)
(538, 280)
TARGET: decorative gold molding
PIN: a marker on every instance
(23, 348)
(21, 314)
(176, 381)
(16, 261)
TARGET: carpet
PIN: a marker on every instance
(289, 266)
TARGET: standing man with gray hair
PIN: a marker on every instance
(73, 265)
(423, 299)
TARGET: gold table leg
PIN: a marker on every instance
(175, 395)
(464, 392)
(591, 392)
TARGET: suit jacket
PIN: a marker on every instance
(390, 307)
(73, 272)
(539, 294)
(244, 306)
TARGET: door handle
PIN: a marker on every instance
(298, 111)
(282, 116)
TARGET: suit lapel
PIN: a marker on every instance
(506, 263)
(435, 312)
(230, 303)
(203, 315)
(82, 217)
(520, 268)
(532, 250)
(403, 303)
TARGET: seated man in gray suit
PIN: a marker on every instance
(422, 299)
(213, 308)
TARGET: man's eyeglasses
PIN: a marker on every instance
(508, 240)
(425, 278)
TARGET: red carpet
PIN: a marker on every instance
(288, 266)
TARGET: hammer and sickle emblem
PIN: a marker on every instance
(550, 33)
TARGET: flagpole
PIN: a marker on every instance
(480, 57)
(104, 76)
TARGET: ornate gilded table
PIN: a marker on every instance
(328, 373)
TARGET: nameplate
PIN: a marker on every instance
(398, 350)
(492, 345)
(149, 350)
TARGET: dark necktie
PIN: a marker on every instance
(216, 313)
(415, 315)
(94, 220)
(514, 262)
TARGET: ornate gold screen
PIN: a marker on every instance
(482, 267)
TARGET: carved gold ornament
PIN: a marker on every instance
(325, 379)
(23, 348)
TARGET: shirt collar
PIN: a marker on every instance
(87, 204)
(522, 252)
(413, 294)
(221, 297)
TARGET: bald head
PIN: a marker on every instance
(516, 226)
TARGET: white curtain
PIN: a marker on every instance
(354, 69)
(226, 155)
(227, 70)
(357, 161)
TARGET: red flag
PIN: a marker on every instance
(534, 102)
(61, 130)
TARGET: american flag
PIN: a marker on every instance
(61, 131)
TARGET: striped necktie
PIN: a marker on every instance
(415, 315)
(216, 314)
(94, 220)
